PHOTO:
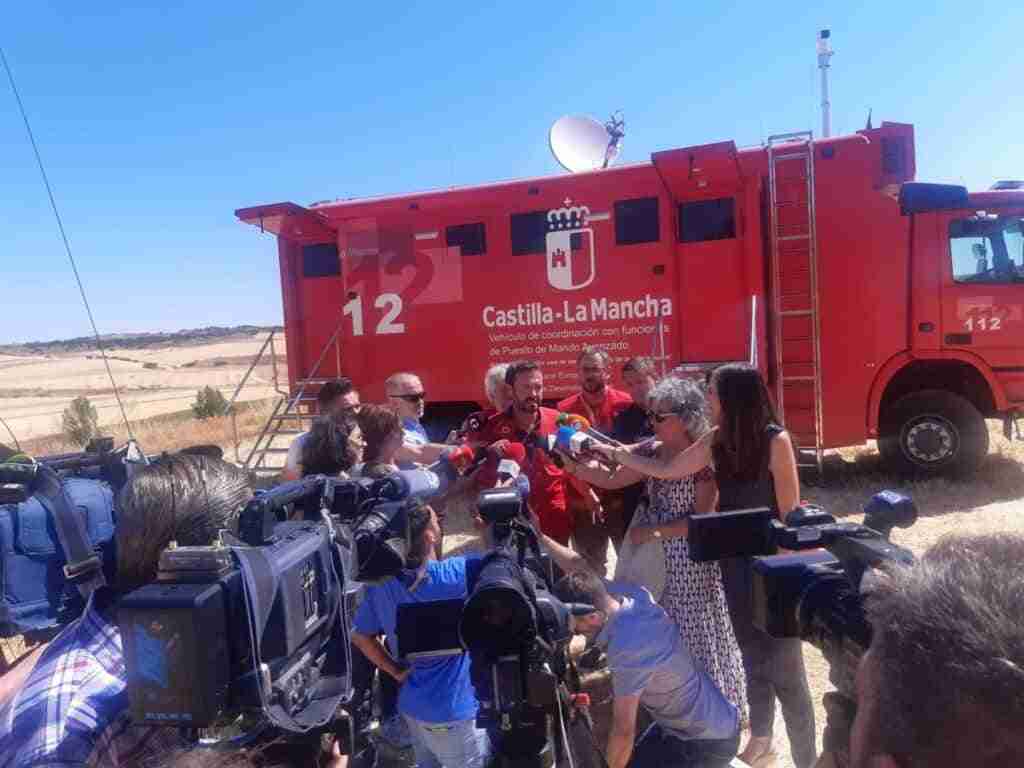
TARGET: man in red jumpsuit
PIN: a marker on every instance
(524, 422)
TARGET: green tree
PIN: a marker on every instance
(80, 423)
(209, 403)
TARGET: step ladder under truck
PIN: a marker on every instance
(796, 329)
(291, 416)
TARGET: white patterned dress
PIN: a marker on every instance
(694, 597)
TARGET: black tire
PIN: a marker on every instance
(932, 432)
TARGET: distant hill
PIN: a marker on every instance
(186, 338)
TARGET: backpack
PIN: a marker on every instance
(38, 591)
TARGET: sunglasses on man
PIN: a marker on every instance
(415, 397)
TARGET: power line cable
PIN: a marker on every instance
(67, 245)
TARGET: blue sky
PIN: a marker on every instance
(156, 123)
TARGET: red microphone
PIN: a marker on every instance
(513, 457)
(461, 458)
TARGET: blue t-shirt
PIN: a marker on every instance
(437, 690)
(413, 432)
(647, 656)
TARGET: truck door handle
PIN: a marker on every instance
(958, 339)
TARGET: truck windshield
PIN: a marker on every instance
(987, 249)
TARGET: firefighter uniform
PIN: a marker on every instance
(547, 481)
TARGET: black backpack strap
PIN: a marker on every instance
(83, 566)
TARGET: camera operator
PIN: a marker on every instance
(597, 514)
(436, 695)
(336, 399)
(73, 709)
(942, 684)
(694, 724)
(754, 466)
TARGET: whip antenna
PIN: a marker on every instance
(67, 245)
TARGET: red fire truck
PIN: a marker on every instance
(877, 307)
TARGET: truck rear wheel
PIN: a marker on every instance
(933, 433)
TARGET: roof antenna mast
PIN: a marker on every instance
(824, 55)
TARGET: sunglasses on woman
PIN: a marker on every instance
(657, 418)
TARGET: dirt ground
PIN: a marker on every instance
(992, 501)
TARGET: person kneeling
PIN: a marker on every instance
(436, 697)
(694, 724)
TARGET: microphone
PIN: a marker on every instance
(463, 458)
(572, 420)
(420, 483)
(515, 456)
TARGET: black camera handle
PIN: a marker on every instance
(259, 589)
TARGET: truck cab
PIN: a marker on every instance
(965, 360)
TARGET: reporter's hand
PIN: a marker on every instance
(334, 758)
(607, 451)
(498, 448)
(592, 504)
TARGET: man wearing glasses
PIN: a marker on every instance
(336, 399)
(407, 397)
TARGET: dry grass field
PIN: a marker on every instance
(36, 388)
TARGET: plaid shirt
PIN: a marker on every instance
(73, 709)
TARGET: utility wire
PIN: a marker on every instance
(67, 245)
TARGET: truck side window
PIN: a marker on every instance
(320, 260)
(471, 239)
(707, 220)
(636, 221)
(987, 249)
(529, 231)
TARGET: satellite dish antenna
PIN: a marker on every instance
(581, 143)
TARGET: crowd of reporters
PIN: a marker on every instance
(677, 637)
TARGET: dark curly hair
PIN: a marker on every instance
(327, 449)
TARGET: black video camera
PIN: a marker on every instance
(259, 623)
(517, 634)
(814, 595)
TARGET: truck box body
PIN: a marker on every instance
(706, 254)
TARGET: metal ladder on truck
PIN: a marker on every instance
(794, 276)
(290, 416)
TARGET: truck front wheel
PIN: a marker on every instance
(933, 433)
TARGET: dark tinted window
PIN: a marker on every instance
(470, 238)
(320, 260)
(528, 232)
(707, 220)
(636, 221)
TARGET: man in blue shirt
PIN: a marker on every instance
(407, 397)
(694, 724)
(436, 695)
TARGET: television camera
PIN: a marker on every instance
(816, 591)
(517, 634)
(253, 630)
